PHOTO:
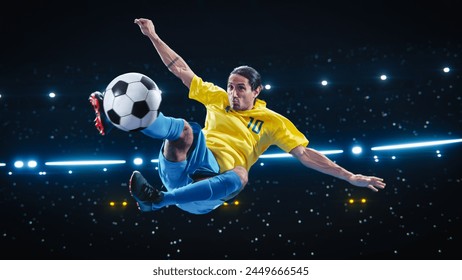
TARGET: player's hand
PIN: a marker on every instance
(370, 182)
(146, 26)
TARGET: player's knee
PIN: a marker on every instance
(176, 150)
(242, 173)
(187, 136)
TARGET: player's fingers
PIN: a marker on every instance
(372, 188)
(140, 21)
(376, 178)
(380, 184)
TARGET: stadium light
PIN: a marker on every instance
(84, 162)
(287, 155)
(416, 145)
(32, 164)
(357, 150)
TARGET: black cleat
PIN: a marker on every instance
(143, 192)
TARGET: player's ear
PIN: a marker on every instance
(257, 91)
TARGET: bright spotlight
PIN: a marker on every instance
(324, 83)
(416, 145)
(287, 155)
(32, 163)
(383, 77)
(52, 95)
(356, 150)
(138, 161)
(19, 164)
(2, 164)
(267, 87)
(446, 69)
(84, 162)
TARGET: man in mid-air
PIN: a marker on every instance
(201, 168)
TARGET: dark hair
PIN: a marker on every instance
(251, 74)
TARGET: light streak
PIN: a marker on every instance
(415, 145)
(84, 162)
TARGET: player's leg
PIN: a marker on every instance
(218, 188)
(177, 176)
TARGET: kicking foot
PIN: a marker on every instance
(96, 100)
(144, 194)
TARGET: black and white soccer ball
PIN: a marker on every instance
(131, 101)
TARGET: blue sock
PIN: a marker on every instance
(165, 128)
(213, 188)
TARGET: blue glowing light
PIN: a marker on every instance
(138, 161)
(84, 162)
(415, 145)
(287, 155)
(357, 150)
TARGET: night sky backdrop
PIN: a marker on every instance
(286, 211)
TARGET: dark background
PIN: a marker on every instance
(286, 211)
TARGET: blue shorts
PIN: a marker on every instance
(178, 174)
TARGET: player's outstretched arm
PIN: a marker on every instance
(169, 57)
(319, 162)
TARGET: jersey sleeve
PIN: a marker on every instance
(287, 136)
(207, 93)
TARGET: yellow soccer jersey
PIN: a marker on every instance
(238, 138)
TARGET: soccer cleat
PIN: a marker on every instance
(144, 194)
(96, 100)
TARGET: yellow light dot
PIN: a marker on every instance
(236, 202)
(225, 204)
(112, 203)
(363, 200)
(124, 203)
(351, 201)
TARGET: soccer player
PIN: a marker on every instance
(201, 168)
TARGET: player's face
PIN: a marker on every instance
(240, 94)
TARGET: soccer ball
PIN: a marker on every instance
(131, 101)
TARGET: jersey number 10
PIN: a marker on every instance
(256, 126)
